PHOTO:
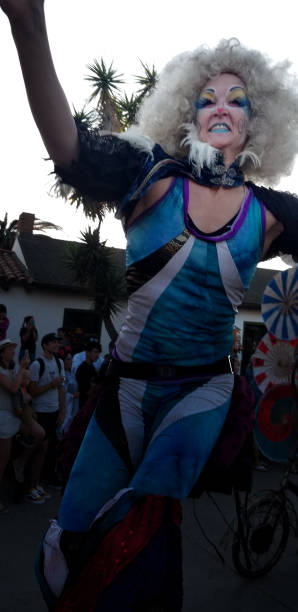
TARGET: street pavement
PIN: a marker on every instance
(209, 585)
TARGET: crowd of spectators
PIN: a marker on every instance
(40, 400)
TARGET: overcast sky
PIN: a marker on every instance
(81, 31)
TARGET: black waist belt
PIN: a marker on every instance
(145, 371)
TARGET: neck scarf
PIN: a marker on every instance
(217, 175)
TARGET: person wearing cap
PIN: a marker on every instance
(48, 398)
(10, 382)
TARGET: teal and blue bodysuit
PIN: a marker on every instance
(150, 436)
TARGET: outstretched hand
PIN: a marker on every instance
(16, 9)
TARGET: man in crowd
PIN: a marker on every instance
(78, 358)
(86, 372)
(48, 399)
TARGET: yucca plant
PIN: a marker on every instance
(96, 268)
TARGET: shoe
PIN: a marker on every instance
(26, 441)
(18, 471)
(43, 492)
(34, 497)
(261, 467)
(53, 484)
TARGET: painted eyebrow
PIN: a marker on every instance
(230, 88)
(236, 87)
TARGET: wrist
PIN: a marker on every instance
(30, 22)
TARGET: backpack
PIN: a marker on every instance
(42, 366)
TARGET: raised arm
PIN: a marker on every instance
(47, 100)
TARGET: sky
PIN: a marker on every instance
(122, 32)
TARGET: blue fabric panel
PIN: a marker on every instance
(158, 400)
(177, 456)
(157, 226)
(91, 480)
(198, 332)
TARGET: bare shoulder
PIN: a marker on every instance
(156, 191)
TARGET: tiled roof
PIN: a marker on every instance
(46, 259)
(12, 270)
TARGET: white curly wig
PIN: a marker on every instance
(273, 93)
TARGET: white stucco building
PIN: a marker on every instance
(36, 280)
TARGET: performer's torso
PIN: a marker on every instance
(184, 287)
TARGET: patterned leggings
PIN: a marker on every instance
(146, 438)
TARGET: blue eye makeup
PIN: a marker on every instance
(238, 97)
(206, 98)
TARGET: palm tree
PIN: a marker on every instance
(96, 267)
(8, 231)
(105, 82)
(114, 111)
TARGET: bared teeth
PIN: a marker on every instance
(215, 125)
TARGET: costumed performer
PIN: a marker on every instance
(196, 229)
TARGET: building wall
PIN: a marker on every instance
(47, 307)
(247, 315)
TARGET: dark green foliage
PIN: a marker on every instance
(96, 266)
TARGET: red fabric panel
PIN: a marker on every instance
(118, 548)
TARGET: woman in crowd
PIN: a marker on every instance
(28, 335)
(10, 382)
(12, 422)
(196, 229)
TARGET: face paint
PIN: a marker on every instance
(223, 115)
(206, 98)
(242, 126)
(219, 129)
(236, 96)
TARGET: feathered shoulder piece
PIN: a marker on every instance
(106, 170)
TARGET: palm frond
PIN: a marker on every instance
(103, 79)
(128, 108)
(42, 226)
(148, 80)
(84, 117)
